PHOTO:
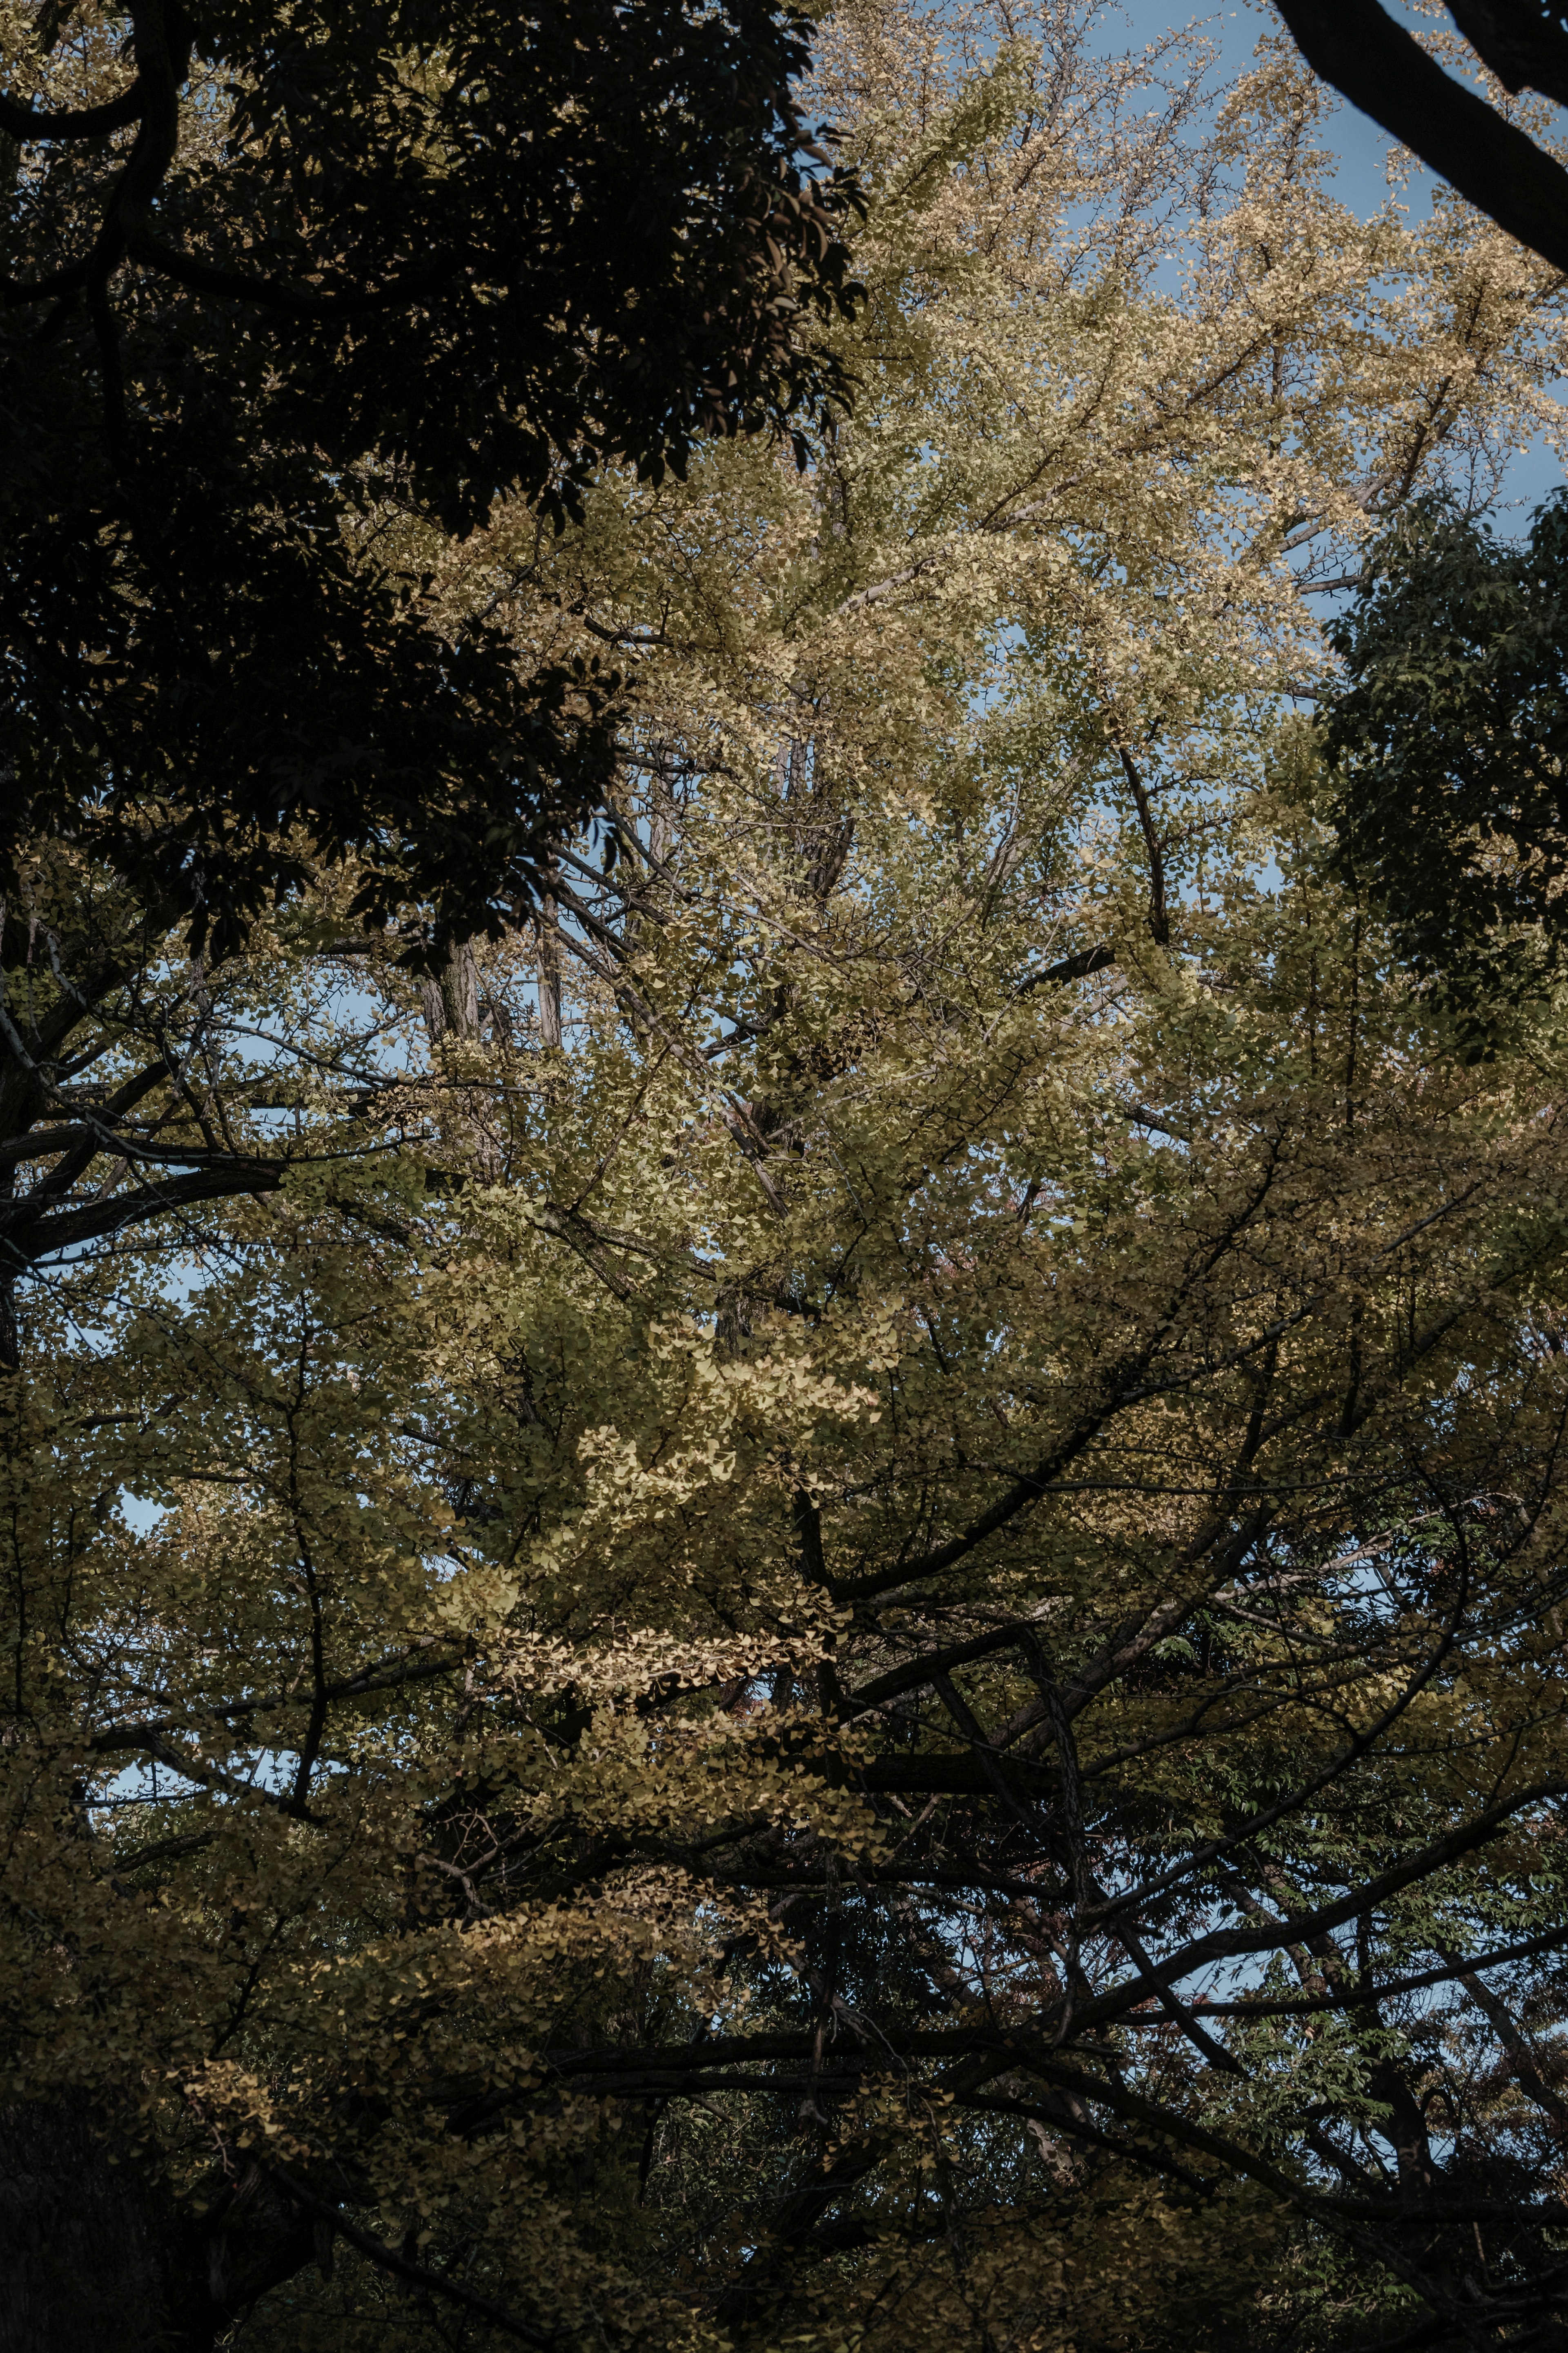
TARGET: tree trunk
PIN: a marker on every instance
(549, 975)
(93, 2259)
(80, 2267)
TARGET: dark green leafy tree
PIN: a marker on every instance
(289, 295)
(1447, 743)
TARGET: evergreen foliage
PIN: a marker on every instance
(1447, 738)
(271, 276)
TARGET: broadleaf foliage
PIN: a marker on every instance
(268, 277)
(821, 1603)
(1448, 740)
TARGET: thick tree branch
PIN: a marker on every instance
(1358, 47)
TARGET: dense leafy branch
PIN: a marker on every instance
(594, 236)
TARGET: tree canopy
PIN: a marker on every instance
(821, 1603)
(271, 281)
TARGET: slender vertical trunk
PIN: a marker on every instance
(549, 975)
(11, 1265)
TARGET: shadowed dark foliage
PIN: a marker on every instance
(291, 275)
(1448, 743)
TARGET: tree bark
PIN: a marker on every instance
(80, 2265)
(94, 2258)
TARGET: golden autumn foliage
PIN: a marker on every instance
(822, 1609)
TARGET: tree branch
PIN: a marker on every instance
(1358, 47)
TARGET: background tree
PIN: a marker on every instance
(1447, 737)
(848, 1626)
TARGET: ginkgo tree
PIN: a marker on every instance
(823, 1607)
